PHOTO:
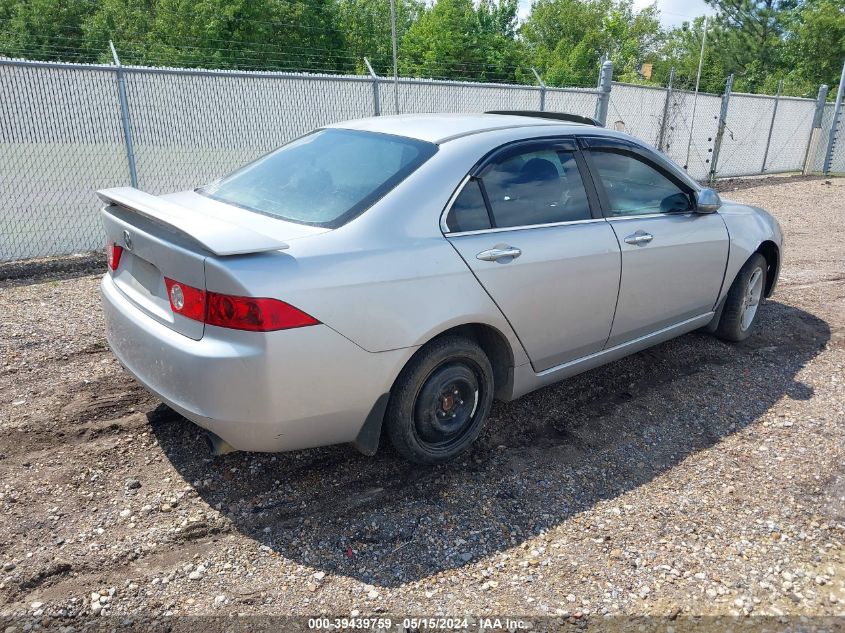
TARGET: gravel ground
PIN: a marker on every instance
(696, 478)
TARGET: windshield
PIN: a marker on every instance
(325, 178)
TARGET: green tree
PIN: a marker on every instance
(631, 38)
(748, 35)
(127, 22)
(760, 41)
(568, 39)
(44, 29)
(272, 35)
(814, 48)
(365, 25)
(682, 50)
(503, 53)
(454, 39)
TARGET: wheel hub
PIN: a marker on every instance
(446, 404)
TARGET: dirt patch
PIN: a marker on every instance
(54, 268)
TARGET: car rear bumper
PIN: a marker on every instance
(272, 391)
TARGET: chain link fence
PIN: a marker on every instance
(67, 130)
(190, 127)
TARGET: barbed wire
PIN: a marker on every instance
(292, 58)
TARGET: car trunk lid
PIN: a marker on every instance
(171, 237)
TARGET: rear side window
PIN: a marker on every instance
(536, 187)
(634, 187)
(325, 178)
(469, 213)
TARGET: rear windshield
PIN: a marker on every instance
(325, 178)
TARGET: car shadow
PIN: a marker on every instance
(541, 459)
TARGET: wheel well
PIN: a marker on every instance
(497, 349)
(769, 250)
(495, 346)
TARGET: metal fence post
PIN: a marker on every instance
(376, 99)
(542, 89)
(124, 116)
(771, 127)
(605, 79)
(834, 124)
(662, 134)
(815, 131)
(720, 131)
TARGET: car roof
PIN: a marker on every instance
(440, 128)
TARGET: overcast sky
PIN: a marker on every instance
(672, 12)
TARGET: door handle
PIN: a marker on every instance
(500, 251)
(639, 237)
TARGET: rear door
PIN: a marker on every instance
(527, 223)
(673, 259)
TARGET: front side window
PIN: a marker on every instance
(325, 178)
(634, 187)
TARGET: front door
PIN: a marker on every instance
(524, 225)
(673, 259)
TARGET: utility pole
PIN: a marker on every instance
(395, 59)
(695, 96)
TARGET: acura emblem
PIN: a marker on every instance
(127, 239)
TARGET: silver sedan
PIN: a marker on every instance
(396, 274)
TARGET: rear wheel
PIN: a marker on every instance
(440, 401)
(743, 301)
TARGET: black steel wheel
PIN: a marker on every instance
(440, 401)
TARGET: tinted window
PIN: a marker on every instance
(469, 213)
(536, 187)
(633, 187)
(325, 178)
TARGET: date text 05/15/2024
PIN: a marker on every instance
(420, 624)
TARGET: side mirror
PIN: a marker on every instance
(707, 201)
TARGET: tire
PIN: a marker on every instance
(440, 400)
(742, 305)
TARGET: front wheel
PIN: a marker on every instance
(743, 301)
(440, 401)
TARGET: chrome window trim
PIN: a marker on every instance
(502, 229)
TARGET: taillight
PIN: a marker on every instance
(239, 313)
(113, 253)
(186, 300)
(257, 315)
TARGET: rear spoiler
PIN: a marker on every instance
(215, 235)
